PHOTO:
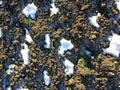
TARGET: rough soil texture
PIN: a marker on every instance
(102, 72)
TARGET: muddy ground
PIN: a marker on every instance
(93, 70)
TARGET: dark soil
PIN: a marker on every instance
(101, 72)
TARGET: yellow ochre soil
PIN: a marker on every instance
(102, 72)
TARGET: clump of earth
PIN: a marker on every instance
(89, 68)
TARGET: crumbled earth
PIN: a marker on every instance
(93, 71)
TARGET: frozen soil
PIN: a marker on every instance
(98, 71)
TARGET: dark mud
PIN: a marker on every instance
(93, 69)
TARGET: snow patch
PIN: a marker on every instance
(65, 45)
(30, 10)
(10, 69)
(69, 70)
(1, 2)
(28, 38)
(21, 88)
(118, 4)
(114, 47)
(53, 9)
(93, 20)
(46, 78)
(25, 54)
(9, 88)
(47, 41)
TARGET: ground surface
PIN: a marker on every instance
(93, 70)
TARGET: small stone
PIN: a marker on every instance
(34, 55)
(71, 82)
(93, 36)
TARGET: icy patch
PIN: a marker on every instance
(93, 20)
(47, 41)
(46, 78)
(30, 10)
(65, 45)
(114, 47)
(25, 54)
(0, 32)
(28, 38)
(69, 70)
(11, 69)
(118, 4)
(53, 10)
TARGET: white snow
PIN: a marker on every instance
(1, 2)
(65, 45)
(114, 47)
(93, 20)
(53, 1)
(69, 70)
(28, 38)
(53, 10)
(9, 88)
(47, 41)
(118, 4)
(23, 89)
(0, 32)
(46, 78)
(30, 10)
(11, 69)
(25, 54)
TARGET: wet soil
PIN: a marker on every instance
(97, 71)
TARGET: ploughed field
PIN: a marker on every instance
(59, 44)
